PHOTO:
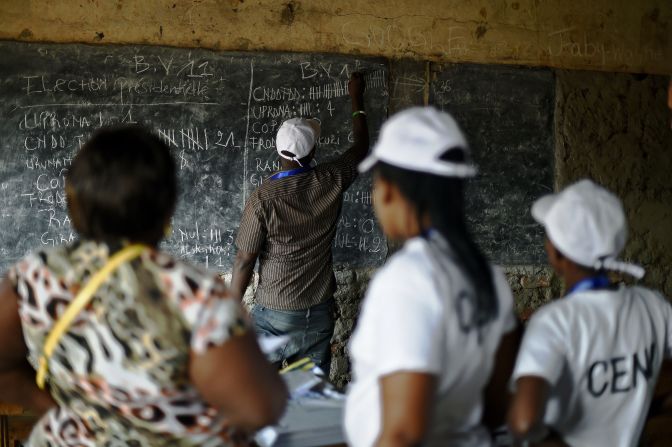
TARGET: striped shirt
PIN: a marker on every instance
(291, 223)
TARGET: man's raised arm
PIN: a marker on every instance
(360, 130)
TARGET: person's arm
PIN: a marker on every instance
(360, 129)
(497, 393)
(236, 378)
(661, 403)
(17, 377)
(243, 269)
(18, 387)
(539, 366)
(526, 416)
(249, 241)
(406, 408)
(496, 396)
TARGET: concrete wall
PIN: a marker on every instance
(622, 35)
(613, 127)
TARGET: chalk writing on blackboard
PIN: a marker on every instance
(218, 112)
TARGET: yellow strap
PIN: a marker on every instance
(304, 364)
(79, 303)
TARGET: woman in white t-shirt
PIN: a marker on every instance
(588, 363)
(437, 318)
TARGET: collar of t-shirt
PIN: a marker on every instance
(592, 283)
(297, 171)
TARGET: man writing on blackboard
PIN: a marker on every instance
(289, 224)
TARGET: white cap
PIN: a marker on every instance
(416, 138)
(296, 138)
(586, 223)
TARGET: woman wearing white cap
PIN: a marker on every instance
(433, 318)
(588, 363)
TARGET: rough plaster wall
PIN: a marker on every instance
(621, 35)
(615, 128)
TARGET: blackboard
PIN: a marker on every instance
(507, 115)
(217, 111)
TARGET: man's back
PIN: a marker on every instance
(288, 225)
(291, 221)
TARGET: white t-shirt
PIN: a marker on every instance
(416, 318)
(601, 351)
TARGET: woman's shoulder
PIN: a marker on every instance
(409, 270)
(655, 303)
(413, 256)
(183, 278)
(48, 258)
(170, 263)
(76, 262)
(650, 294)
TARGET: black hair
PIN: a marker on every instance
(442, 198)
(123, 184)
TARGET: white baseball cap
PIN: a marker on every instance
(416, 138)
(586, 223)
(296, 137)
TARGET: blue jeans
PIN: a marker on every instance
(309, 330)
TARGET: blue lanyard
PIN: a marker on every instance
(427, 233)
(296, 171)
(596, 282)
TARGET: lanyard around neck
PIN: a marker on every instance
(78, 303)
(296, 171)
(592, 283)
(428, 233)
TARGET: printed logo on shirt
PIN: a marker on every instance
(466, 317)
(620, 374)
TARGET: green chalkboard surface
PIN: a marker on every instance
(217, 111)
